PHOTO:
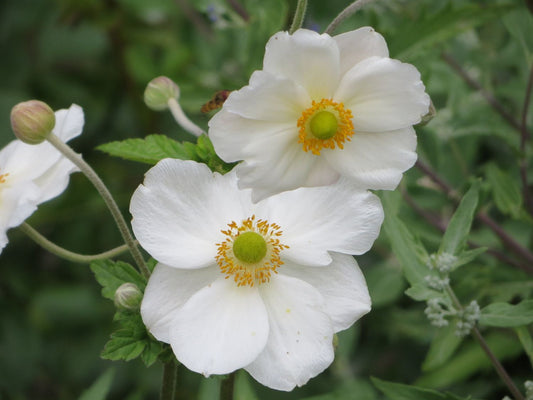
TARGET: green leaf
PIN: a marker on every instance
(363, 388)
(432, 29)
(442, 347)
(151, 149)
(505, 191)
(129, 341)
(469, 255)
(399, 391)
(410, 253)
(459, 227)
(100, 388)
(470, 360)
(385, 285)
(421, 292)
(507, 315)
(206, 154)
(527, 341)
(112, 274)
(151, 352)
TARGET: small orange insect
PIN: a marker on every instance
(216, 101)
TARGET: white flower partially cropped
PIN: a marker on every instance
(262, 286)
(33, 174)
(321, 108)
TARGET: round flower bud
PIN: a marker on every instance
(128, 297)
(32, 121)
(159, 91)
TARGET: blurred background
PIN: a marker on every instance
(100, 54)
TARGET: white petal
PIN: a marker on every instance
(55, 180)
(269, 98)
(359, 44)
(180, 210)
(299, 345)
(236, 138)
(376, 160)
(220, 329)
(306, 57)
(314, 221)
(284, 167)
(18, 202)
(383, 95)
(167, 291)
(342, 285)
(69, 122)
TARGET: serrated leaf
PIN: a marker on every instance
(123, 346)
(469, 255)
(507, 315)
(409, 252)
(442, 347)
(110, 275)
(456, 234)
(151, 352)
(100, 388)
(151, 149)
(399, 391)
(505, 191)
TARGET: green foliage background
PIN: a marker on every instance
(101, 54)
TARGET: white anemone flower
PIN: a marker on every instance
(322, 107)
(33, 174)
(261, 286)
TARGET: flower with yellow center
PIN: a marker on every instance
(322, 107)
(260, 286)
(33, 174)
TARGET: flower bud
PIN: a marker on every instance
(128, 297)
(159, 91)
(32, 121)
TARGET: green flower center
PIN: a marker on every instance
(249, 247)
(323, 125)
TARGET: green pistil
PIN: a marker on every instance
(249, 247)
(323, 125)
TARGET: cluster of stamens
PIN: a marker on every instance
(265, 260)
(335, 128)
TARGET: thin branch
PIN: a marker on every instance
(505, 238)
(439, 224)
(239, 9)
(524, 137)
(494, 103)
(227, 387)
(493, 359)
(347, 12)
(299, 16)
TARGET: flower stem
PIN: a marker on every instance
(108, 199)
(182, 119)
(67, 254)
(493, 359)
(168, 383)
(347, 12)
(226, 387)
(299, 16)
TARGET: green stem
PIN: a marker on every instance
(108, 199)
(182, 119)
(493, 359)
(67, 254)
(299, 16)
(168, 383)
(347, 12)
(226, 387)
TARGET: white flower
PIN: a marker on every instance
(322, 107)
(262, 286)
(33, 174)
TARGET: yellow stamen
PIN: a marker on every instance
(315, 138)
(3, 177)
(250, 273)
